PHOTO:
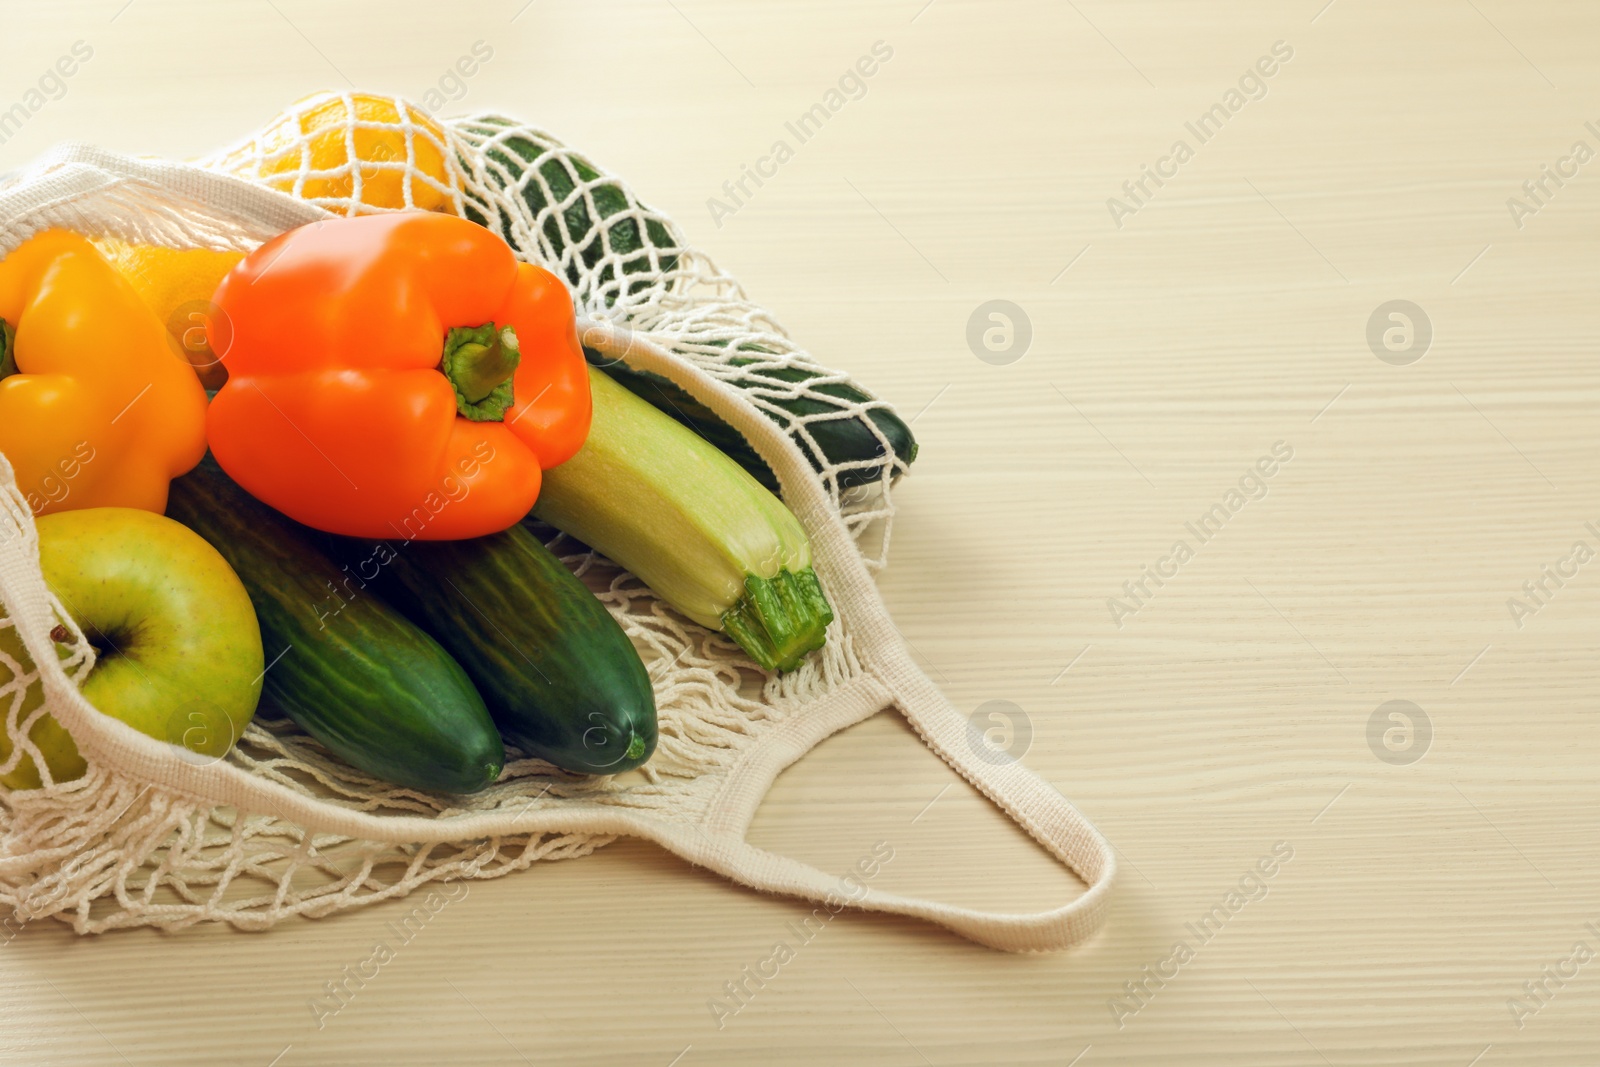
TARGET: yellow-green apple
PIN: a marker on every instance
(178, 649)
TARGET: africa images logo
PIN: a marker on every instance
(1252, 85)
(1252, 485)
(851, 85)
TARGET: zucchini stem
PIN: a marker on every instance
(780, 619)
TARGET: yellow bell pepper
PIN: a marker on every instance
(97, 407)
(329, 126)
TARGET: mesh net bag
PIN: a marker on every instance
(153, 836)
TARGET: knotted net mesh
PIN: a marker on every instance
(110, 849)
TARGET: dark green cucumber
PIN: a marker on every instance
(842, 439)
(560, 677)
(351, 671)
(558, 187)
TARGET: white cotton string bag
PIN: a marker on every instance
(152, 835)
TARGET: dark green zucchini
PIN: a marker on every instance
(560, 677)
(544, 174)
(351, 671)
(558, 188)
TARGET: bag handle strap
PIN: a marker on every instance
(892, 679)
(719, 842)
(1043, 931)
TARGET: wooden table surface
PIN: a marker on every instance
(1435, 867)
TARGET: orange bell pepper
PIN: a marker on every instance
(396, 375)
(96, 407)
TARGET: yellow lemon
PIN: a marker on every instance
(399, 153)
(177, 284)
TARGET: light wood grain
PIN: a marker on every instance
(1222, 718)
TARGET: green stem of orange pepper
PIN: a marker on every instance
(479, 361)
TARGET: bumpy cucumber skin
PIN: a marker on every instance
(557, 672)
(373, 688)
(842, 440)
